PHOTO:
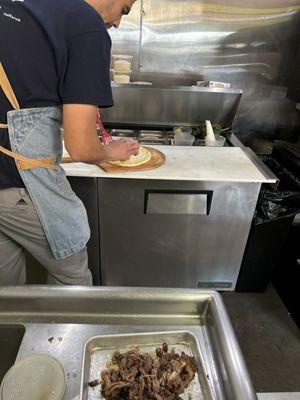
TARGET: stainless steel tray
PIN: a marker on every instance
(124, 133)
(151, 134)
(99, 349)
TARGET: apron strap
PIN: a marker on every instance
(7, 89)
(22, 162)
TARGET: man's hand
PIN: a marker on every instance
(121, 149)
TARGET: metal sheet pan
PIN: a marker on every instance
(152, 142)
(151, 134)
(99, 349)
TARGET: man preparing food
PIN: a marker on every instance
(54, 68)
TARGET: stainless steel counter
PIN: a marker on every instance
(58, 320)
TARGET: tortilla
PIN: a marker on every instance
(142, 157)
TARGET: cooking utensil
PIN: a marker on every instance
(209, 132)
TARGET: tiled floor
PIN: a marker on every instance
(269, 339)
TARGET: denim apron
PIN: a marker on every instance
(36, 145)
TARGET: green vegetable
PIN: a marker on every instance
(200, 131)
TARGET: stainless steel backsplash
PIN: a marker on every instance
(249, 44)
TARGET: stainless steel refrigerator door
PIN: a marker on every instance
(171, 249)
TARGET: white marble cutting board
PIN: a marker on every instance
(221, 164)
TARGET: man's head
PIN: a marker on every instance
(111, 11)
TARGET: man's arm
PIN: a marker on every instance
(82, 142)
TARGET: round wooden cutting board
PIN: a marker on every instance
(156, 160)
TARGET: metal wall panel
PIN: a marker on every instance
(126, 39)
(252, 45)
(171, 105)
(216, 39)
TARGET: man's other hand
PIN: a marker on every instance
(121, 150)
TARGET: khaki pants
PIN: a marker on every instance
(20, 229)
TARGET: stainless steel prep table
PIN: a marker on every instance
(58, 321)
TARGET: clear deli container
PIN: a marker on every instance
(34, 378)
(184, 139)
(122, 62)
(121, 77)
(219, 142)
(186, 130)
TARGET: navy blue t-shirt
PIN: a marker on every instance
(53, 52)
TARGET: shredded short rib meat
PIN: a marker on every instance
(140, 376)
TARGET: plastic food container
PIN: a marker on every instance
(121, 77)
(219, 142)
(182, 130)
(184, 140)
(122, 62)
(34, 378)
